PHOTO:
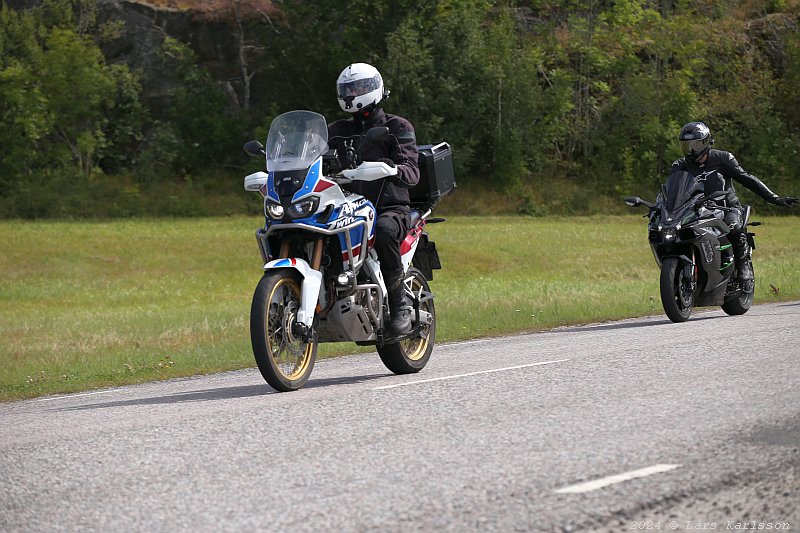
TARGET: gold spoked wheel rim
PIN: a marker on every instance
(415, 347)
(290, 354)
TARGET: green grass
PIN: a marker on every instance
(91, 304)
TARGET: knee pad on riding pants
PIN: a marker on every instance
(734, 220)
(737, 236)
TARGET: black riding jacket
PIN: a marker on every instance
(401, 148)
(724, 163)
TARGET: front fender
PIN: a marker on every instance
(309, 291)
(660, 255)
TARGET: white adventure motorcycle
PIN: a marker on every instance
(322, 280)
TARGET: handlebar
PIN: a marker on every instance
(339, 179)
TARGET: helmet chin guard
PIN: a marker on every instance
(358, 87)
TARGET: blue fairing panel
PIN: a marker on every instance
(314, 173)
(271, 194)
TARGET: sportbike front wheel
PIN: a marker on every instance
(411, 354)
(284, 358)
(740, 302)
(677, 296)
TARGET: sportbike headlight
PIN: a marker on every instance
(274, 211)
(303, 208)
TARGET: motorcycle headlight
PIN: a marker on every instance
(274, 211)
(303, 208)
(669, 234)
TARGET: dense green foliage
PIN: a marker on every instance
(564, 105)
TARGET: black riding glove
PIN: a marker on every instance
(392, 179)
(786, 201)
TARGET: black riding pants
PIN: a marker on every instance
(390, 230)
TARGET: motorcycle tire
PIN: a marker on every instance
(410, 355)
(284, 358)
(740, 303)
(677, 302)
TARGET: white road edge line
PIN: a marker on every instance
(469, 374)
(619, 478)
(68, 396)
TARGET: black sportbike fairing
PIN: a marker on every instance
(695, 234)
(679, 189)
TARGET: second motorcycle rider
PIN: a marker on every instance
(696, 141)
(360, 89)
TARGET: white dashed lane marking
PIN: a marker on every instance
(70, 396)
(612, 480)
(457, 376)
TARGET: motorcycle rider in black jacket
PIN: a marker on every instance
(699, 157)
(360, 89)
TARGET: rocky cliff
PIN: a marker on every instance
(213, 29)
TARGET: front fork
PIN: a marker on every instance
(690, 272)
(310, 287)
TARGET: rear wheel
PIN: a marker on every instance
(739, 303)
(677, 296)
(284, 357)
(410, 355)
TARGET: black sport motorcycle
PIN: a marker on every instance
(689, 239)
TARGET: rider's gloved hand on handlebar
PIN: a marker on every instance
(392, 179)
(786, 201)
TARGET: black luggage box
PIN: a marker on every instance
(436, 176)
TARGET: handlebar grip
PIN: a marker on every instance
(340, 180)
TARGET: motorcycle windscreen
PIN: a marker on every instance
(295, 140)
(679, 189)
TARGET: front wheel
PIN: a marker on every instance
(677, 294)
(410, 355)
(740, 302)
(284, 357)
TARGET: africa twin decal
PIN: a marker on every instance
(342, 222)
(348, 213)
(350, 208)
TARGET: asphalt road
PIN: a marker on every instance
(626, 426)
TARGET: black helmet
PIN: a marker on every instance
(695, 140)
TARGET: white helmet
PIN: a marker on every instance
(359, 86)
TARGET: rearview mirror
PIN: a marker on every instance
(373, 135)
(719, 195)
(633, 201)
(254, 149)
(378, 133)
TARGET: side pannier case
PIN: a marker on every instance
(436, 176)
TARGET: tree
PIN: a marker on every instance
(79, 89)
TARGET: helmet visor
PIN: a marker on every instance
(358, 88)
(694, 146)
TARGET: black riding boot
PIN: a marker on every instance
(399, 310)
(741, 255)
